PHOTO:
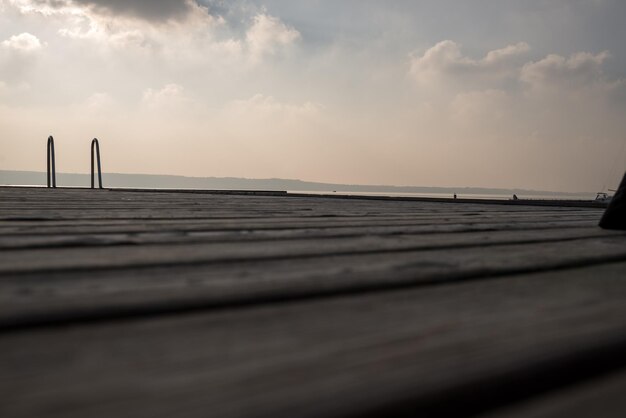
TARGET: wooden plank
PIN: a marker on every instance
(162, 235)
(277, 204)
(30, 225)
(54, 259)
(168, 213)
(393, 354)
(35, 222)
(600, 397)
(321, 205)
(45, 199)
(98, 291)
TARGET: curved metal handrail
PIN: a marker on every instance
(50, 163)
(95, 145)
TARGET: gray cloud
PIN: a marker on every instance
(444, 64)
(18, 55)
(153, 10)
(150, 10)
(582, 68)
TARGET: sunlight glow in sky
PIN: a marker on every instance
(489, 93)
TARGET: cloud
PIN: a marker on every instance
(170, 96)
(246, 118)
(150, 10)
(99, 102)
(582, 68)
(121, 23)
(267, 106)
(181, 31)
(267, 34)
(445, 61)
(18, 58)
(24, 42)
(504, 56)
(480, 107)
(46, 8)
(525, 116)
(442, 71)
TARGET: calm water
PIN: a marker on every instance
(459, 195)
(434, 195)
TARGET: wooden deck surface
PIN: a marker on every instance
(137, 303)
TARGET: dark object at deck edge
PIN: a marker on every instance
(615, 215)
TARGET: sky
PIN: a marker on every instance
(484, 93)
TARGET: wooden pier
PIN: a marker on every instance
(131, 303)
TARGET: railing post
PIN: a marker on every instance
(95, 147)
(52, 177)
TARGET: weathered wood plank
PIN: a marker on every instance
(26, 225)
(168, 233)
(600, 397)
(53, 259)
(202, 213)
(173, 225)
(118, 198)
(313, 208)
(45, 297)
(393, 354)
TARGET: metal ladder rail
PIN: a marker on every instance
(52, 177)
(95, 146)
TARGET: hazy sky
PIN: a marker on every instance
(494, 93)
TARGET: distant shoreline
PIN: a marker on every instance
(155, 181)
(441, 198)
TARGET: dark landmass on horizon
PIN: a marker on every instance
(156, 181)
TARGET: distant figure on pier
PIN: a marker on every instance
(455, 195)
(514, 197)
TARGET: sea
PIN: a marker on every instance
(545, 196)
(486, 196)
